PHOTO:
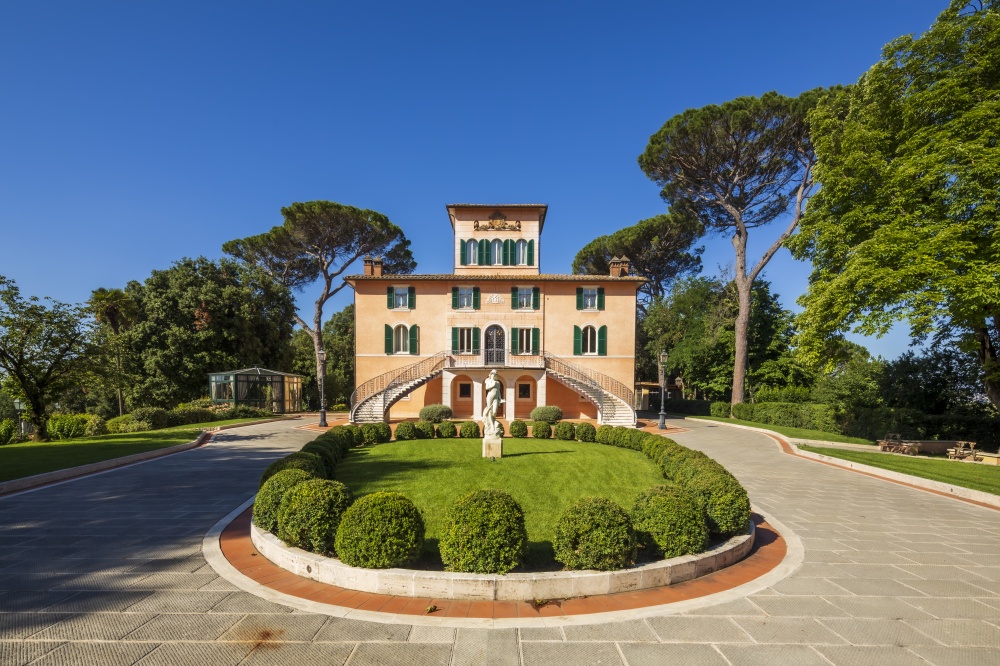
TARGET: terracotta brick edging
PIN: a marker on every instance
(509, 587)
(967, 495)
(47, 478)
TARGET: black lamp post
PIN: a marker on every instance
(663, 388)
(19, 408)
(321, 355)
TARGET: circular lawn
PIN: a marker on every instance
(544, 476)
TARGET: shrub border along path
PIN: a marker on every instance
(68, 473)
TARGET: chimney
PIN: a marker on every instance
(369, 269)
(623, 266)
(377, 266)
(615, 266)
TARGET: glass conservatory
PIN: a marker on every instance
(278, 392)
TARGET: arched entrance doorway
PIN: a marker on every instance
(494, 349)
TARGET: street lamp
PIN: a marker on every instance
(662, 363)
(19, 408)
(321, 355)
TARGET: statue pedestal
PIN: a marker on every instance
(492, 447)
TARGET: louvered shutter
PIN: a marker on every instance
(454, 298)
(411, 297)
(454, 340)
(475, 298)
(513, 298)
(475, 340)
(531, 252)
(482, 252)
(602, 341)
(577, 341)
(536, 298)
(505, 254)
(600, 298)
(388, 339)
(514, 341)
(535, 341)
(579, 298)
(414, 339)
(463, 259)
(390, 296)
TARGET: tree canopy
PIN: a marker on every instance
(39, 345)
(660, 250)
(905, 225)
(733, 167)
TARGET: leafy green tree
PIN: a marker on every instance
(734, 167)
(115, 310)
(904, 226)
(660, 250)
(937, 381)
(338, 340)
(201, 316)
(318, 241)
(851, 381)
(39, 346)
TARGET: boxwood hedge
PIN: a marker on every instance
(380, 531)
(484, 533)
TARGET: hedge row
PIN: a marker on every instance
(811, 416)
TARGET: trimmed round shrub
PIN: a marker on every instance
(547, 413)
(383, 433)
(541, 430)
(369, 434)
(325, 454)
(565, 430)
(406, 430)
(669, 522)
(595, 533)
(724, 500)
(585, 432)
(484, 533)
(268, 501)
(309, 462)
(425, 429)
(356, 434)
(518, 429)
(154, 416)
(603, 435)
(310, 514)
(447, 429)
(380, 531)
(436, 413)
(469, 429)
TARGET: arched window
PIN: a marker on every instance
(472, 251)
(401, 340)
(521, 253)
(496, 252)
(589, 340)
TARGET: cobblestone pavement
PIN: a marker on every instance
(108, 570)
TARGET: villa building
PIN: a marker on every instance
(565, 340)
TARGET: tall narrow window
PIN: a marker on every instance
(521, 253)
(524, 298)
(465, 297)
(471, 252)
(524, 341)
(401, 340)
(589, 340)
(589, 299)
(496, 253)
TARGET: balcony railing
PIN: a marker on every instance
(478, 360)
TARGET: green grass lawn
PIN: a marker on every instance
(798, 433)
(977, 477)
(544, 476)
(30, 458)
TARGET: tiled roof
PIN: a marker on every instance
(550, 277)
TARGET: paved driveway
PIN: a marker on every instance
(108, 570)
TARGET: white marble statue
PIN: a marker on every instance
(491, 428)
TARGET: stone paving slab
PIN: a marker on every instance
(108, 570)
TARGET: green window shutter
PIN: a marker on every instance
(414, 339)
(513, 298)
(600, 298)
(454, 340)
(482, 252)
(505, 254)
(462, 258)
(513, 341)
(475, 298)
(390, 295)
(602, 341)
(579, 298)
(536, 298)
(535, 341)
(531, 252)
(388, 339)
(475, 340)
(577, 341)
(454, 298)
(411, 297)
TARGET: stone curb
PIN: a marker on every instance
(492, 587)
(947, 489)
(29, 482)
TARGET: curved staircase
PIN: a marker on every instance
(370, 402)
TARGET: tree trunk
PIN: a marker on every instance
(742, 327)
(38, 419)
(989, 361)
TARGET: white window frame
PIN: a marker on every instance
(405, 293)
(462, 293)
(524, 341)
(400, 346)
(521, 305)
(472, 252)
(590, 294)
(521, 253)
(465, 341)
(583, 340)
(496, 252)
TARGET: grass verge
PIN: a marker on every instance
(798, 433)
(30, 458)
(967, 475)
(544, 476)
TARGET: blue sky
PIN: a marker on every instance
(134, 134)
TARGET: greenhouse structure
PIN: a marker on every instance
(275, 391)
